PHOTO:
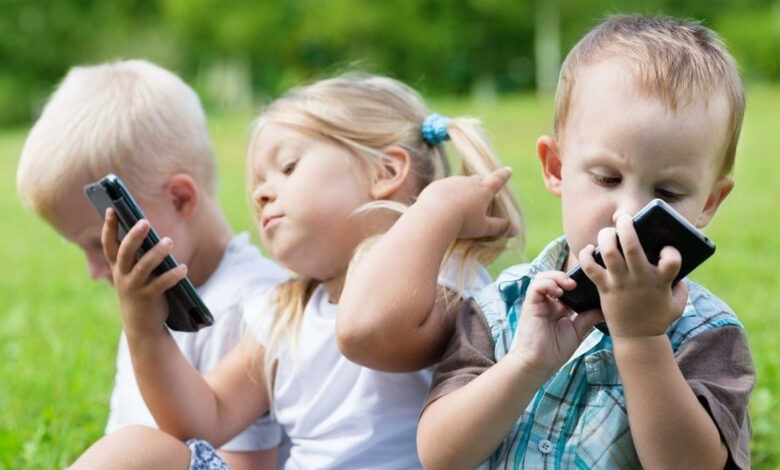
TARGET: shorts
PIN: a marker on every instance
(204, 456)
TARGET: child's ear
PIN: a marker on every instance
(395, 173)
(547, 149)
(720, 190)
(182, 191)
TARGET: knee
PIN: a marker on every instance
(135, 447)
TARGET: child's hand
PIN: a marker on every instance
(637, 298)
(144, 308)
(465, 201)
(548, 332)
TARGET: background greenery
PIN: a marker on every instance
(59, 329)
(234, 50)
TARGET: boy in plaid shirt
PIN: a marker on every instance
(646, 108)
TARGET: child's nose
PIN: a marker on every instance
(263, 194)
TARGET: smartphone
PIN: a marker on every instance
(187, 312)
(657, 225)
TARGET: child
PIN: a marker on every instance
(646, 108)
(328, 165)
(142, 122)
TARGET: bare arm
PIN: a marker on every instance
(463, 428)
(182, 402)
(669, 426)
(393, 286)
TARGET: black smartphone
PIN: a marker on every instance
(187, 312)
(657, 225)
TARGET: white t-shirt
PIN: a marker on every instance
(242, 273)
(336, 413)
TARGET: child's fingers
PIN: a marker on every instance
(552, 284)
(633, 253)
(125, 258)
(608, 245)
(544, 288)
(669, 262)
(166, 280)
(680, 295)
(496, 180)
(561, 278)
(108, 236)
(589, 265)
(584, 321)
(152, 258)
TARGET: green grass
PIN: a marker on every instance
(59, 329)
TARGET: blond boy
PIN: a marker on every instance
(143, 123)
(646, 108)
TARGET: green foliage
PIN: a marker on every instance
(60, 329)
(266, 46)
(747, 32)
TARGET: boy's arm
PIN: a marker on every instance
(669, 425)
(392, 315)
(473, 402)
(707, 387)
(182, 402)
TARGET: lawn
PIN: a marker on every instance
(60, 329)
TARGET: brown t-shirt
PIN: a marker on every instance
(716, 364)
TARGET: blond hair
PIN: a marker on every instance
(366, 114)
(678, 61)
(131, 118)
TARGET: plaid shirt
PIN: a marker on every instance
(578, 418)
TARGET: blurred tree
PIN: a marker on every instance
(547, 45)
(41, 40)
(235, 51)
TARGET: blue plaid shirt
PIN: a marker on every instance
(578, 418)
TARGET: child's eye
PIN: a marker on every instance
(666, 195)
(288, 167)
(606, 180)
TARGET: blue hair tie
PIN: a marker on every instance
(434, 129)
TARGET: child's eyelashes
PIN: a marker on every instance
(610, 181)
(667, 195)
(289, 167)
(605, 180)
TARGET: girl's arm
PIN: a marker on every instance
(392, 315)
(463, 428)
(182, 402)
(669, 426)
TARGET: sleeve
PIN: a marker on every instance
(469, 352)
(257, 317)
(719, 368)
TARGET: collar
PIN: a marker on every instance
(513, 282)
